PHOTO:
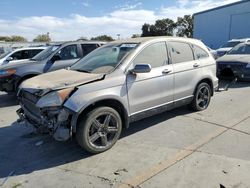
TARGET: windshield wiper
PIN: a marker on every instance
(33, 59)
(78, 70)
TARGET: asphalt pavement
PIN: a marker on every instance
(179, 148)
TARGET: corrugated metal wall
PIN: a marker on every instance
(217, 26)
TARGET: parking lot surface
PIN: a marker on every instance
(179, 148)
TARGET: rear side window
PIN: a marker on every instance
(33, 53)
(199, 53)
(181, 52)
(155, 55)
(87, 48)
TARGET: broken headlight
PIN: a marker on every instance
(55, 98)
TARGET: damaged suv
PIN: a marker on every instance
(116, 84)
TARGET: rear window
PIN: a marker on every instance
(181, 52)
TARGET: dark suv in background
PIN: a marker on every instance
(55, 57)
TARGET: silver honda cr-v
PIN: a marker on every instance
(119, 83)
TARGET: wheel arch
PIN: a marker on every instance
(209, 82)
(24, 77)
(113, 103)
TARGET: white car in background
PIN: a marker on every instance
(20, 54)
(229, 45)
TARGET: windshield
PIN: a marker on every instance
(230, 44)
(240, 49)
(5, 54)
(104, 59)
(46, 53)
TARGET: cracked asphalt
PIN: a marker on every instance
(179, 148)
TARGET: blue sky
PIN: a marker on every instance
(71, 19)
(63, 8)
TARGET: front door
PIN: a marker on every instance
(147, 91)
(65, 57)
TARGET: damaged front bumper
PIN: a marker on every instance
(237, 70)
(56, 121)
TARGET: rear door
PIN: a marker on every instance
(186, 69)
(147, 91)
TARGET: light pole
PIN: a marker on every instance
(118, 36)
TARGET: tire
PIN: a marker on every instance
(202, 97)
(99, 130)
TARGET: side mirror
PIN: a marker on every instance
(141, 68)
(56, 58)
(9, 59)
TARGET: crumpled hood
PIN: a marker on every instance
(58, 80)
(235, 58)
(14, 65)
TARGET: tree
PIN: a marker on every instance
(42, 38)
(184, 26)
(145, 30)
(83, 38)
(163, 27)
(103, 38)
(14, 38)
(5, 38)
(135, 36)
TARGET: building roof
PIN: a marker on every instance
(221, 7)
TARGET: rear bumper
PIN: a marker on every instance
(215, 84)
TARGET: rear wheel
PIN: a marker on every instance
(99, 130)
(201, 98)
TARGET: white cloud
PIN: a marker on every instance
(125, 21)
(85, 4)
(128, 6)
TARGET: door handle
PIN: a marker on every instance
(166, 71)
(196, 65)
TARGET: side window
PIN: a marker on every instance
(16, 55)
(155, 55)
(68, 52)
(87, 48)
(24, 54)
(32, 53)
(199, 53)
(181, 52)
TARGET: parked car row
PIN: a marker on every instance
(54, 57)
(114, 85)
